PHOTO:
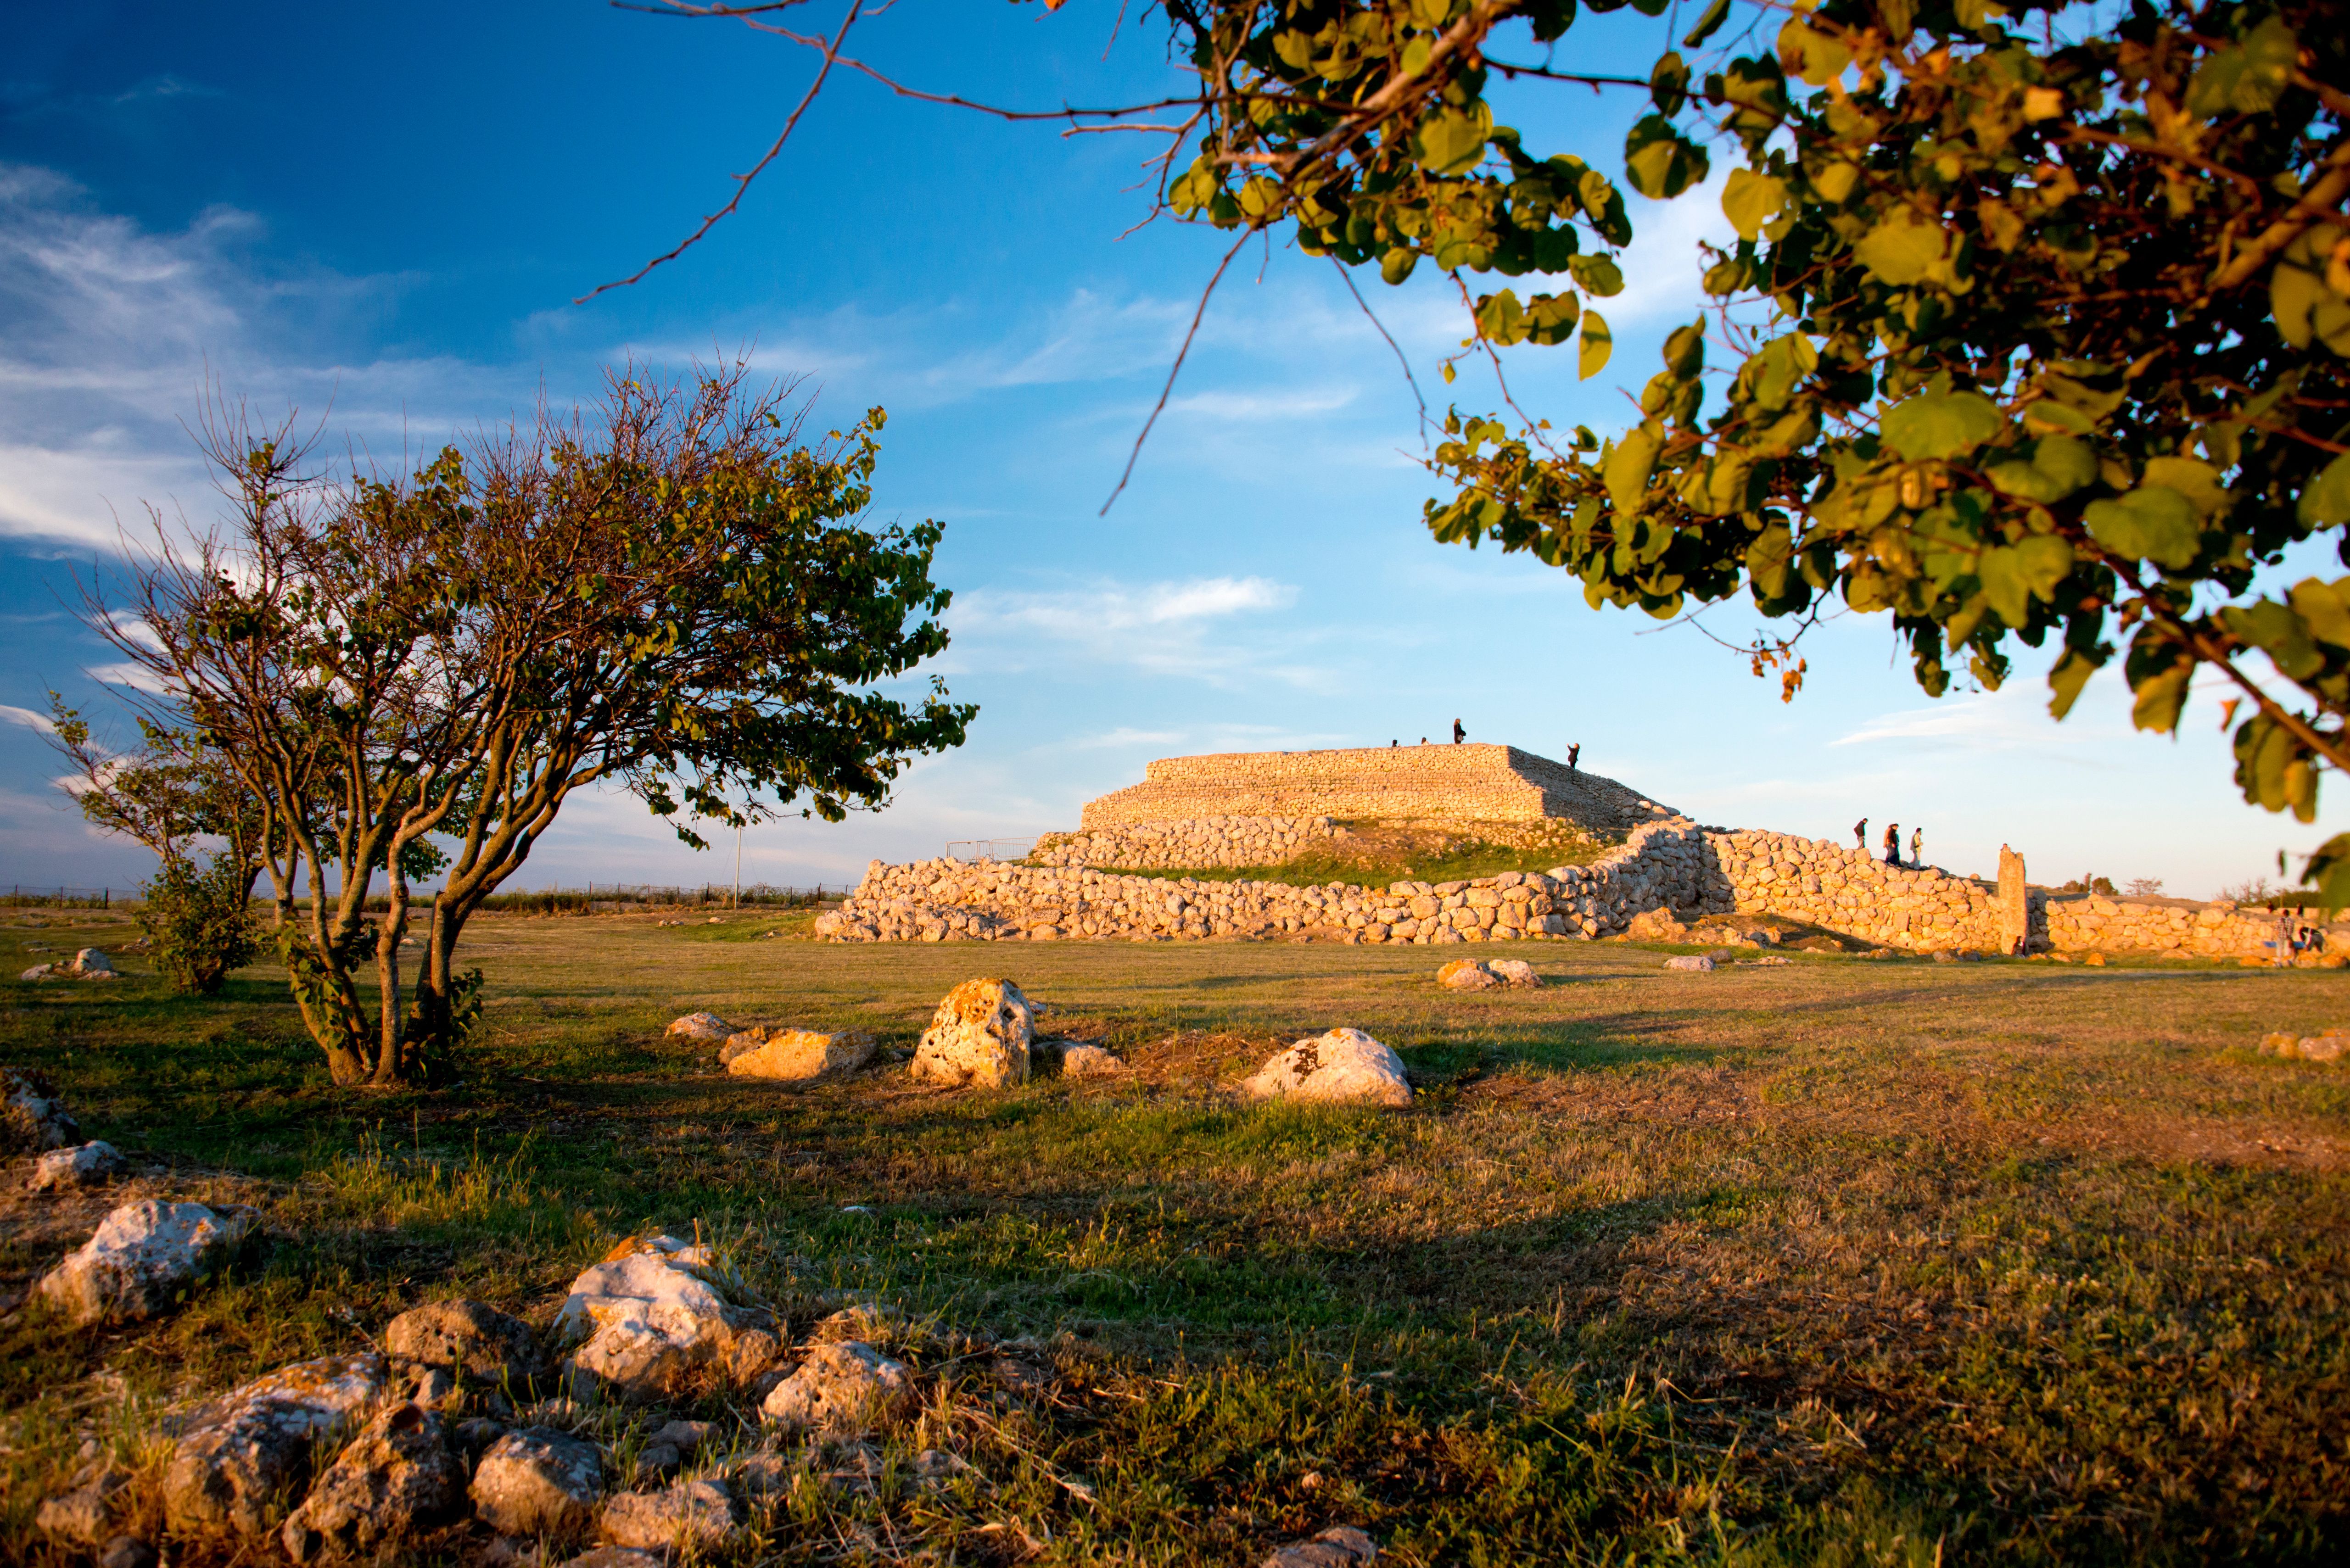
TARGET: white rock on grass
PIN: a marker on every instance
(841, 1389)
(1515, 972)
(396, 1480)
(1080, 1061)
(86, 1165)
(652, 1314)
(1346, 1065)
(89, 961)
(796, 1055)
(86, 1516)
(32, 1117)
(695, 1514)
(1466, 975)
(1340, 1546)
(474, 1341)
(979, 1038)
(538, 1482)
(236, 1460)
(143, 1258)
(37, 972)
(706, 1027)
(1697, 961)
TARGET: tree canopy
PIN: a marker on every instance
(411, 674)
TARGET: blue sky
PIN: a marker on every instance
(385, 216)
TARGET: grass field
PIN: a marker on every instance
(1843, 1261)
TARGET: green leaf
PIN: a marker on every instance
(1668, 84)
(2001, 571)
(1749, 199)
(2329, 872)
(2247, 78)
(1626, 469)
(2161, 695)
(1396, 264)
(1770, 377)
(1941, 425)
(1660, 162)
(1597, 341)
(1771, 560)
(2193, 478)
(2156, 524)
(2327, 500)
(1453, 141)
(2065, 680)
(1708, 25)
(2277, 631)
(2325, 609)
(1598, 275)
(1816, 57)
(1551, 317)
(2046, 561)
(1501, 318)
(1685, 351)
(1905, 247)
(2306, 309)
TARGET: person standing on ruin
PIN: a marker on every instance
(1893, 844)
(1917, 848)
(1572, 753)
(1459, 735)
(1860, 836)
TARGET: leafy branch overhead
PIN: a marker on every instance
(2034, 328)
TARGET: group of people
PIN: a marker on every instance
(1573, 752)
(1893, 843)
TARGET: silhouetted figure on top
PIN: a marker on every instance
(1459, 735)
(1573, 752)
(1860, 833)
(1893, 844)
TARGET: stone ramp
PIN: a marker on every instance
(1436, 784)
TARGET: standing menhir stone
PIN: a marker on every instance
(978, 1038)
(2014, 903)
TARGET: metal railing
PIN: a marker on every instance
(990, 848)
(26, 895)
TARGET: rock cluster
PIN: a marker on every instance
(1202, 841)
(91, 1164)
(90, 964)
(704, 1026)
(795, 1056)
(2326, 1048)
(979, 1038)
(1469, 974)
(655, 1316)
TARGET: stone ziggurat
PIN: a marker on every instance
(1666, 862)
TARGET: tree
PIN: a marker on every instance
(171, 792)
(677, 596)
(2033, 331)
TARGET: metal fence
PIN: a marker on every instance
(990, 848)
(29, 896)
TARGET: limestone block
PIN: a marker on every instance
(978, 1037)
(142, 1259)
(804, 1055)
(1344, 1066)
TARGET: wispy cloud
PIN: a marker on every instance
(28, 718)
(1207, 629)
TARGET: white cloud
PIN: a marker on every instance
(26, 717)
(1215, 629)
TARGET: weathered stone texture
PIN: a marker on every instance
(1201, 842)
(1437, 783)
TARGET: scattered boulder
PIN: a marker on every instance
(652, 1314)
(615, 1556)
(85, 1516)
(1082, 1061)
(90, 1163)
(1340, 1546)
(538, 1482)
(127, 1551)
(142, 1257)
(1698, 962)
(841, 1389)
(471, 1340)
(979, 1038)
(1466, 975)
(2326, 1047)
(32, 1116)
(37, 972)
(395, 1480)
(675, 1518)
(704, 1026)
(243, 1453)
(1657, 925)
(1514, 972)
(1345, 1064)
(796, 1055)
(89, 961)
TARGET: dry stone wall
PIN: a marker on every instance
(1199, 841)
(1420, 785)
(1673, 864)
